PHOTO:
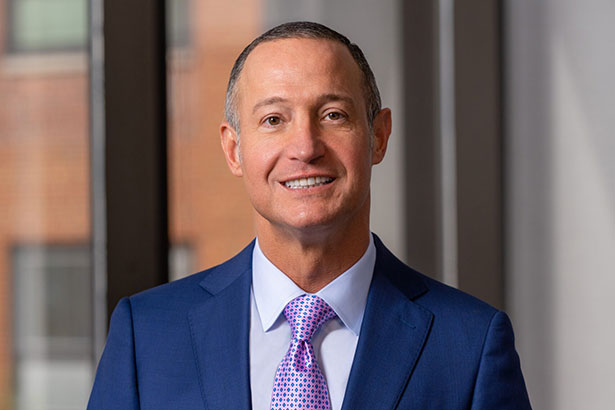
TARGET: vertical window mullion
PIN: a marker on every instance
(135, 147)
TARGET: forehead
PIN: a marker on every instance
(299, 65)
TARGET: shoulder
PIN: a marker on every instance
(448, 305)
(444, 299)
(181, 295)
(465, 339)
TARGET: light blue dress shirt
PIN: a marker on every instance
(334, 343)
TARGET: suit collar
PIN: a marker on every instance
(219, 326)
(222, 276)
(392, 337)
(408, 281)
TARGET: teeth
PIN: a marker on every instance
(307, 182)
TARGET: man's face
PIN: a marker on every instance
(305, 152)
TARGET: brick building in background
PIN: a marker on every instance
(45, 276)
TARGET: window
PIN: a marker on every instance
(40, 26)
(47, 25)
(52, 321)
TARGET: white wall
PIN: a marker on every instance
(560, 132)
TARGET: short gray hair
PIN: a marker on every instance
(304, 29)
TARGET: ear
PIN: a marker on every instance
(382, 131)
(230, 146)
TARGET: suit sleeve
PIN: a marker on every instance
(115, 385)
(499, 383)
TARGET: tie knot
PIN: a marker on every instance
(306, 314)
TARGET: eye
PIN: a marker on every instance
(334, 116)
(273, 120)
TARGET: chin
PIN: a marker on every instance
(315, 224)
(309, 220)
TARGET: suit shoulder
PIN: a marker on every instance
(457, 316)
(447, 298)
(170, 296)
(183, 292)
(427, 292)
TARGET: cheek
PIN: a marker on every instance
(258, 161)
(357, 159)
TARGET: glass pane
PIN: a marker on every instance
(46, 356)
(38, 25)
(52, 325)
(179, 27)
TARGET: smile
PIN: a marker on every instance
(311, 182)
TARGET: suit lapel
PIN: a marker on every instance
(392, 336)
(220, 326)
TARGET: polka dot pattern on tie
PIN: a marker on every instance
(299, 383)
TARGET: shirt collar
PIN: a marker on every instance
(346, 294)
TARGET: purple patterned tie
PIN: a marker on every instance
(299, 383)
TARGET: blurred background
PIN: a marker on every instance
(499, 179)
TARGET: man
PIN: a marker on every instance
(316, 313)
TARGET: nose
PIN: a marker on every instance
(305, 141)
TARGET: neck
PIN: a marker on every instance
(313, 259)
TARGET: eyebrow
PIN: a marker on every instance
(321, 100)
(334, 97)
(268, 101)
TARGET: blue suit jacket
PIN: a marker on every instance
(423, 345)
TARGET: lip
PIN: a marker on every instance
(300, 176)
